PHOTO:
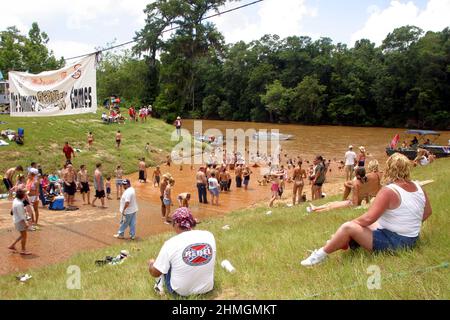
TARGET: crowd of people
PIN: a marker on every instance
(185, 264)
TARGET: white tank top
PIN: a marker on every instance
(406, 220)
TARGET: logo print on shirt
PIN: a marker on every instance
(197, 254)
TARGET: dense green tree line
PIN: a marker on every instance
(403, 82)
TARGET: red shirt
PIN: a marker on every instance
(68, 151)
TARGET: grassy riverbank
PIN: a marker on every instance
(45, 137)
(266, 251)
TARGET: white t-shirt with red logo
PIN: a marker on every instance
(190, 258)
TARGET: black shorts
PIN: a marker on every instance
(157, 179)
(318, 184)
(70, 189)
(108, 190)
(99, 194)
(118, 141)
(142, 175)
(85, 187)
(8, 183)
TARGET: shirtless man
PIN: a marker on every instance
(202, 182)
(361, 189)
(99, 186)
(156, 176)
(238, 174)
(183, 199)
(83, 180)
(223, 180)
(297, 177)
(70, 186)
(8, 179)
(118, 139)
(142, 171)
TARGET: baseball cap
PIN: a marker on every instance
(350, 147)
(126, 182)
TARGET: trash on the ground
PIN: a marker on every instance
(269, 213)
(226, 227)
(289, 205)
(119, 259)
(24, 277)
(159, 285)
(227, 266)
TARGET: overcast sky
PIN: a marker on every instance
(78, 26)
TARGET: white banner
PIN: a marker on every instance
(70, 90)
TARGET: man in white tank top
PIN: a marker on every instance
(393, 222)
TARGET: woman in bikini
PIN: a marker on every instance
(362, 157)
(33, 194)
(275, 188)
(90, 140)
(298, 176)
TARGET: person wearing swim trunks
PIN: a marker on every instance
(318, 178)
(8, 178)
(70, 186)
(246, 173)
(238, 174)
(297, 177)
(156, 177)
(118, 139)
(142, 171)
(99, 186)
(83, 180)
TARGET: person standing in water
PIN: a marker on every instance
(142, 171)
(178, 124)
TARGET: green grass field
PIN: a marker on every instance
(266, 251)
(45, 137)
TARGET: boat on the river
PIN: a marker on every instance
(262, 135)
(425, 141)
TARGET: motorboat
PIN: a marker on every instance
(263, 135)
(425, 141)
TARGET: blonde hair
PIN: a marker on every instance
(398, 167)
(373, 166)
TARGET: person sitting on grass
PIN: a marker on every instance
(393, 222)
(186, 262)
(362, 188)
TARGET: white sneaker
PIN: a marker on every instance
(308, 209)
(313, 259)
(118, 236)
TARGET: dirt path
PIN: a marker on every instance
(65, 233)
